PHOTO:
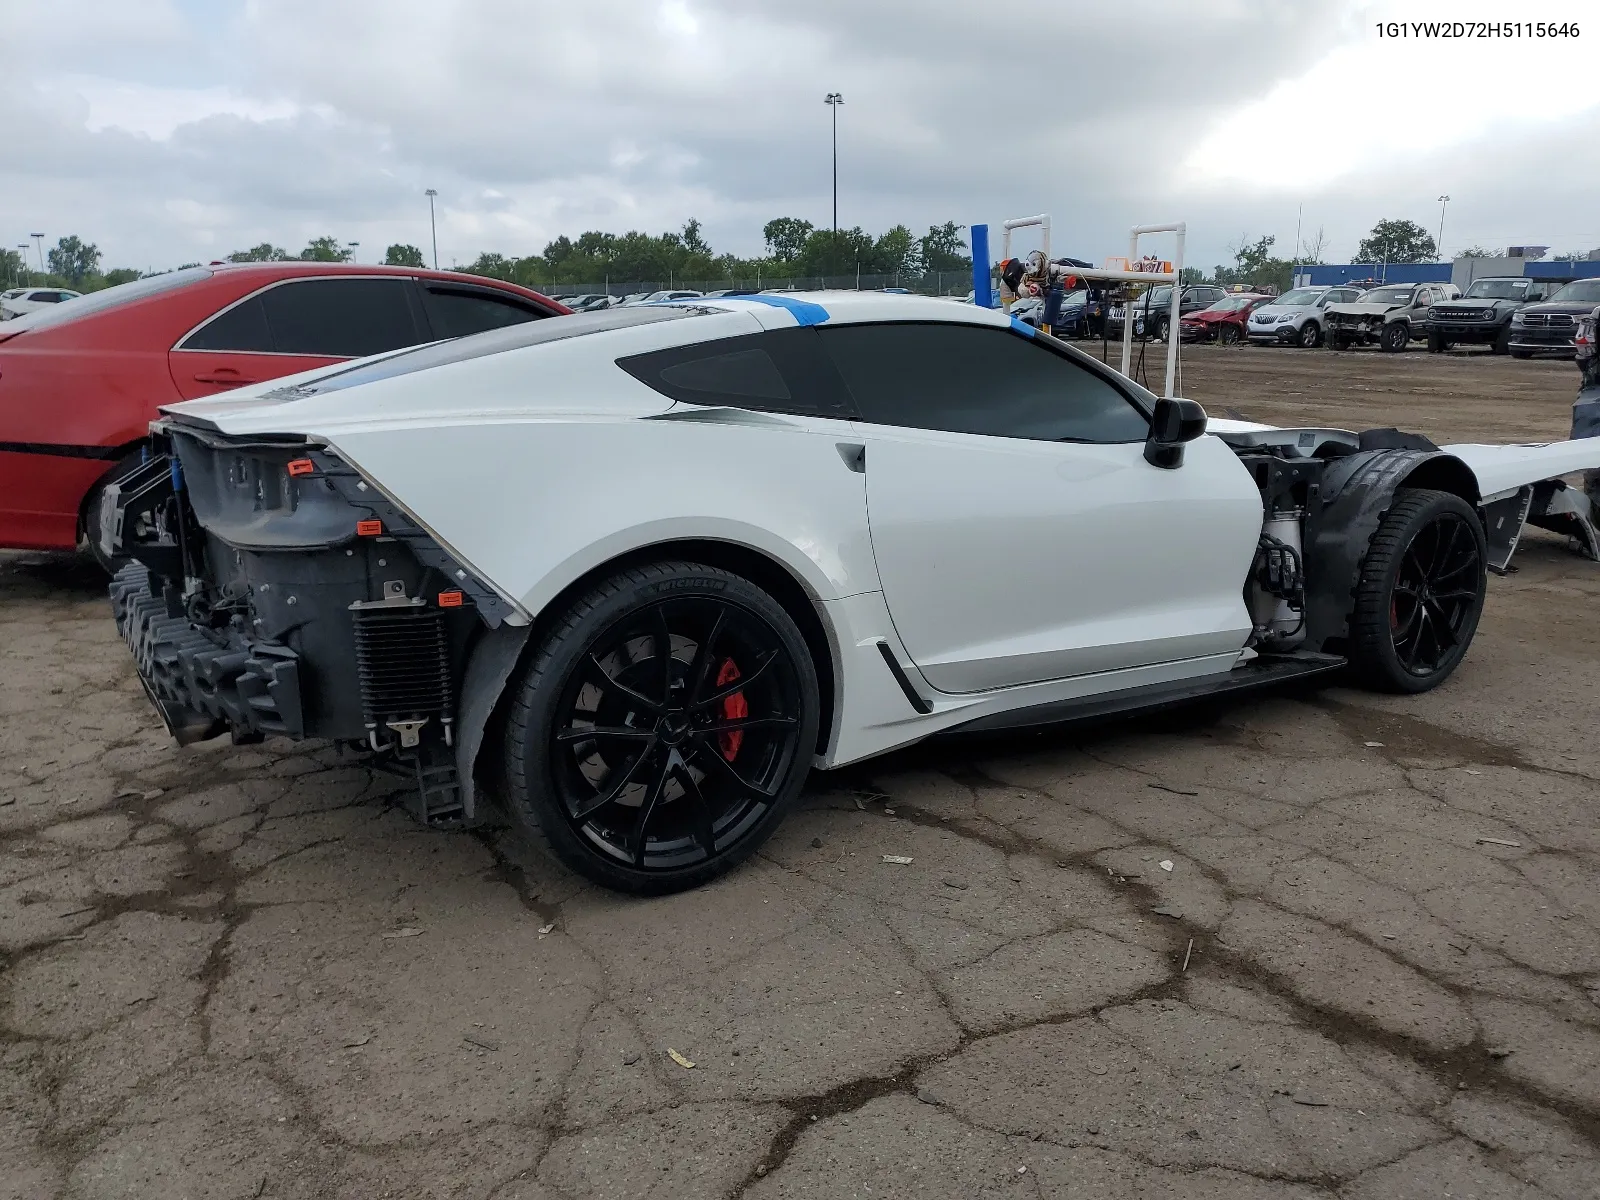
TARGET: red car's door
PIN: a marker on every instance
(296, 325)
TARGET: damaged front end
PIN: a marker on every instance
(274, 591)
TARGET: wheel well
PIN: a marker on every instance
(766, 573)
(1444, 474)
(125, 456)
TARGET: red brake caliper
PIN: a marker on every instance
(734, 708)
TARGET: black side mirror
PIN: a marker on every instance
(1174, 423)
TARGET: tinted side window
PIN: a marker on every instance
(780, 371)
(966, 379)
(241, 329)
(459, 312)
(340, 318)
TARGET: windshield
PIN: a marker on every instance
(1497, 289)
(1300, 296)
(111, 297)
(1584, 291)
(1155, 297)
(1387, 295)
(1233, 304)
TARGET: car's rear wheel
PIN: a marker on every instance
(1420, 593)
(663, 728)
(1395, 337)
(1310, 336)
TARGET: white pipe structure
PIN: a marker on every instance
(1042, 220)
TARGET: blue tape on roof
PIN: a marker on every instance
(1024, 328)
(805, 312)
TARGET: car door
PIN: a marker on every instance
(1019, 533)
(296, 325)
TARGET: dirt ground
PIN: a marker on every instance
(1309, 945)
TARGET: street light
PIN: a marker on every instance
(1444, 202)
(38, 241)
(833, 100)
(434, 228)
(352, 249)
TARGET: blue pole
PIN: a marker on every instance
(982, 292)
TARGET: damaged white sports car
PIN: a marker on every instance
(640, 570)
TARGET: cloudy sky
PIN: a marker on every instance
(174, 130)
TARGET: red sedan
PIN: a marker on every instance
(80, 381)
(1224, 321)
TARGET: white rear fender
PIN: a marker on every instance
(548, 501)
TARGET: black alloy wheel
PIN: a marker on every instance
(1394, 337)
(664, 728)
(1420, 593)
(1310, 335)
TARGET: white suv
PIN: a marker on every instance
(24, 300)
(1295, 318)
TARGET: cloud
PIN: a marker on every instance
(213, 126)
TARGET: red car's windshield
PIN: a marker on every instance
(1233, 304)
(111, 297)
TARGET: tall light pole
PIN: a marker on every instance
(352, 249)
(433, 228)
(38, 242)
(1438, 246)
(833, 100)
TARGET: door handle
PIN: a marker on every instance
(226, 376)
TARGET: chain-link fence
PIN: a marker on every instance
(934, 283)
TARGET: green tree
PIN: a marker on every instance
(324, 249)
(1192, 275)
(786, 237)
(693, 243)
(1396, 241)
(1477, 252)
(941, 249)
(265, 252)
(496, 266)
(120, 275)
(12, 269)
(74, 259)
(402, 255)
(897, 252)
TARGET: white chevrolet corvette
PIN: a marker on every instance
(639, 570)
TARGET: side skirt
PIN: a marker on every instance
(1258, 673)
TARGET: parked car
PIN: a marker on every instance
(732, 292)
(1551, 325)
(655, 672)
(661, 296)
(1152, 309)
(1483, 316)
(1295, 318)
(1389, 316)
(1070, 321)
(80, 382)
(585, 302)
(26, 300)
(1223, 322)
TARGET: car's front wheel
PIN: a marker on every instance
(1420, 593)
(1229, 335)
(663, 728)
(1395, 337)
(1310, 336)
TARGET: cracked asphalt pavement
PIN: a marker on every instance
(1313, 944)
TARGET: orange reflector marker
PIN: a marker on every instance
(450, 599)
(369, 528)
(301, 466)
